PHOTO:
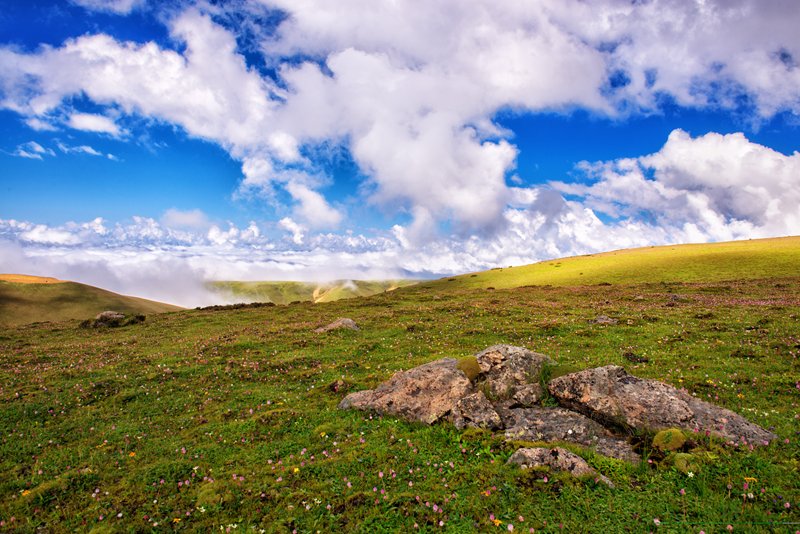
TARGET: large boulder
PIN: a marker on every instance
(511, 372)
(557, 459)
(610, 395)
(428, 393)
(559, 424)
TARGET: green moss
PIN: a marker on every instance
(670, 439)
(469, 366)
(685, 463)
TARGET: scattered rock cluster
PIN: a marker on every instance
(112, 319)
(502, 388)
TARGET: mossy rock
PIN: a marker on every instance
(686, 463)
(212, 494)
(469, 366)
(669, 440)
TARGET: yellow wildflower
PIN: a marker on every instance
(26, 493)
(132, 454)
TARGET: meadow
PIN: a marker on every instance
(225, 420)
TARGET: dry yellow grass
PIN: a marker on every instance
(28, 279)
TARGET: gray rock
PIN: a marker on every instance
(557, 459)
(528, 395)
(343, 322)
(611, 395)
(604, 319)
(475, 410)
(559, 424)
(506, 370)
(109, 316)
(427, 393)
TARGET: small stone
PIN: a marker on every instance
(557, 459)
(341, 323)
(604, 319)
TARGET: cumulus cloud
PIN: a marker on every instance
(713, 187)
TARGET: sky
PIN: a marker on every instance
(150, 146)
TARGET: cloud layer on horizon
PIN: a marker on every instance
(710, 188)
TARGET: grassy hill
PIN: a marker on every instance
(735, 260)
(26, 299)
(286, 292)
(206, 420)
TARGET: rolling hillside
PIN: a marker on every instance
(713, 262)
(27, 299)
(287, 292)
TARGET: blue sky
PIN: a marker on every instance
(150, 146)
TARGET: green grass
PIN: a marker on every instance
(735, 260)
(27, 303)
(237, 402)
(288, 292)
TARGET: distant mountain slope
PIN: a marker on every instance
(752, 259)
(27, 299)
(286, 292)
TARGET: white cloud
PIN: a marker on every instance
(189, 219)
(83, 149)
(716, 187)
(313, 208)
(40, 125)
(32, 150)
(297, 231)
(120, 7)
(91, 122)
(42, 234)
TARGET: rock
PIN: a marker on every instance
(604, 319)
(506, 368)
(112, 319)
(559, 424)
(475, 410)
(528, 395)
(635, 358)
(610, 395)
(557, 459)
(343, 322)
(427, 393)
(109, 316)
(339, 386)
